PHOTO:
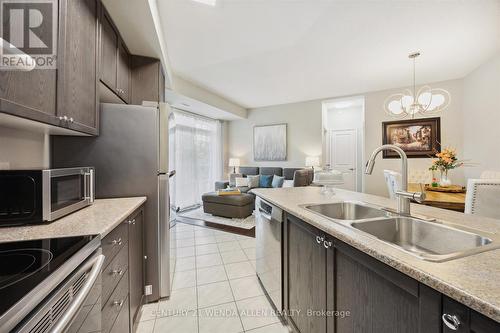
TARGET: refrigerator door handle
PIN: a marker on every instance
(164, 235)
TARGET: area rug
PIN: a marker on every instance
(199, 214)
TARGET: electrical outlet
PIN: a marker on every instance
(4, 165)
(148, 290)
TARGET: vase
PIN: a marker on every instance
(444, 181)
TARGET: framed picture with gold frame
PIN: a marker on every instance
(419, 138)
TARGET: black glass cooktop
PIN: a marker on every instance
(23, 265)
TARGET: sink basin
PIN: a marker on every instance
(429, 241)
(346, 211)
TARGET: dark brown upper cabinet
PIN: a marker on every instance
(115, 59)
(123, 73)
(77, 94)
(109, 47)
(66, 96)
(148, 80)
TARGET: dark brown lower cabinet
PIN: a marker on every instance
(307, 276)
(329, 286)
(123, 275)
(136, 264)
(379, 298)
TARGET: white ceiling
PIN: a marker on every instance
(266, 52)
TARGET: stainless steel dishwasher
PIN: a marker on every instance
(268, 234)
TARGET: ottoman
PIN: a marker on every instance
(238, 206)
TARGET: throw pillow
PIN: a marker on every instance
(278, 181)
(240, 181)
(265, 180)
(253, 181)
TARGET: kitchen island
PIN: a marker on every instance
(472, 281)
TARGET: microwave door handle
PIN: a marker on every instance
(88, 185)
(75, 306)
(91, 185)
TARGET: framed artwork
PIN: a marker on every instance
(417, 137)
(269, 142)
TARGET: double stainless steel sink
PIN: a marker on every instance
(432, 241)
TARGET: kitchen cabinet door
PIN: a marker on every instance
(458, 318)
(77, 66)
(31, 94)
(306, 259)
(109, 55)
(379, 298)
(123, 73)
(148, 80)
(136, 264)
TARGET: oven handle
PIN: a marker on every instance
(75, 306)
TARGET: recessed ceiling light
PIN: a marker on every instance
(207, 2)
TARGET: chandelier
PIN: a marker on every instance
(425, 101)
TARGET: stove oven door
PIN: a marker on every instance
(75, 305)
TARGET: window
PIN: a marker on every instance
(196, 155)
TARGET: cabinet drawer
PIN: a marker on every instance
(122, 324)
(114, 304)
(112, 274)
(113, 242)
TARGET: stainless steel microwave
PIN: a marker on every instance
(36, 196)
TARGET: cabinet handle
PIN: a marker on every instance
(116, 241)
(131, 222)
(64, 118)
(327, 244)
(451, 321)
(319, 239)
(71, 119)
(118, 303)
(117, 272)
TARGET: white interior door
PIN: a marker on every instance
(342, 153)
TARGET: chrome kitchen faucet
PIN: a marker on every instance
(402, 195)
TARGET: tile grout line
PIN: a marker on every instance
(234, 298)
(196, 285)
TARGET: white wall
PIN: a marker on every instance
(303, 132)
(23, 149)
(481, 118)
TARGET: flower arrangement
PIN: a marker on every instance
(446, 160)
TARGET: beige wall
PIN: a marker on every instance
(303, 132)
(23, 149)
(481, 125)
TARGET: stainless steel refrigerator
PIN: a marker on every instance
(130, 157)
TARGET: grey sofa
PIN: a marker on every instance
(299, 176)
(241, 206)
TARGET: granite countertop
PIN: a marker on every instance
(98, 219)
(473, 280)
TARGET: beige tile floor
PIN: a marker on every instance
(214, 289)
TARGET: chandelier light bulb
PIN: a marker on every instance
(425, 101)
